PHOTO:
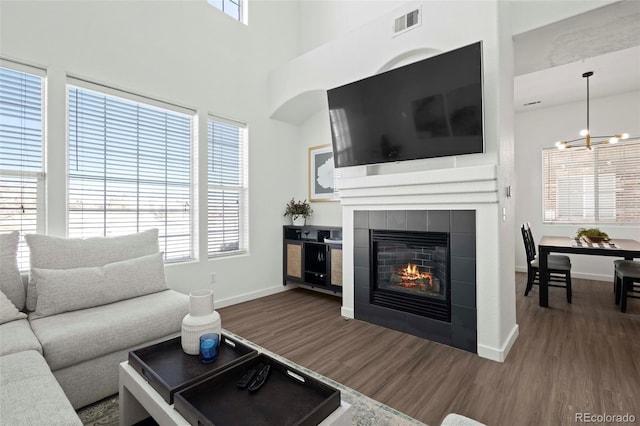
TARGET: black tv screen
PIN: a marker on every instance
(430, 108)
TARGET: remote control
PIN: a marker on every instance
(259, 379)
(247, 377)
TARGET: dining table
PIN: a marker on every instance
(615, 247)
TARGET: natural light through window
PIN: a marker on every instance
(601, 185)
(232, 8)
(21, 177)
(129, 169)
(227, 187)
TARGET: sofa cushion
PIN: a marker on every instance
(10, 281)
(96, 379)
(68, 253)
(8, 311)
(64, 290)
(17, 336)
(30, 394)
(73, 337)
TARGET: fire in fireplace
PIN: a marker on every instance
(412, 278)
(411, 272)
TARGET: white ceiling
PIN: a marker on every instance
(549, 61)
(613, 73)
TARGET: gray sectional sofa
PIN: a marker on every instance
(63, 331)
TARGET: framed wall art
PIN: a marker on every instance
(321, 174)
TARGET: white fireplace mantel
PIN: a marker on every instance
(465, 185)
(459, 188)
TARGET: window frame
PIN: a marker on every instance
(605, 175)
(242, 15)
(127, 96)
(39, 176)
(242, 189)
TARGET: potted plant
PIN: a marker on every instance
(299, 211)
(594, 235)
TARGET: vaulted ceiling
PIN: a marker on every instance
(549, 61)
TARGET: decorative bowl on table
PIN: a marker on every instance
(593, 235)
(598, 240)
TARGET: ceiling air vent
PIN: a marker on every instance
(406, 22)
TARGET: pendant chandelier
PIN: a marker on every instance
(587, 139)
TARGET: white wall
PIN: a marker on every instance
(188, 53)
(323, 20)
(315, 132)
(540, 128)
(506, 315)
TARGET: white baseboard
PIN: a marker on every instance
(347, 312)
(576, 274)
(222, 303)
(499, 354)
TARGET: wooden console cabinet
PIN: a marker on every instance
(313, 256)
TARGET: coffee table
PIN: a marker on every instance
(139, 400)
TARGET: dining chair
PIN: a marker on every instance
(559, 266)
(627, 282)
(617, 263)
(558, 258)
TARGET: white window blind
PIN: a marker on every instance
(232, 8)
(21, 179)
(129, 170)
(227, 188)
(597, 186)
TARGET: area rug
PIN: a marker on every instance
(366, 411)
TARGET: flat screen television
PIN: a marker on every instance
(430, 108)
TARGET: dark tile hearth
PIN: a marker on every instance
(461, 331)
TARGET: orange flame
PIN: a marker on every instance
(412, 273)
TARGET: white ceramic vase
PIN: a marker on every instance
(201, 319)
(298, 220)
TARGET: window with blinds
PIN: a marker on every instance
(21, 178)
(232, 8)
(597, 186)
(129, 169)
(227, 188)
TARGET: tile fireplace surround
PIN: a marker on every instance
(461, 225)
(456, 194)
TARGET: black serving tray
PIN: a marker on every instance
(288, 397)
(168, 369)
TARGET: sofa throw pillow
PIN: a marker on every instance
(69, 253)
(64, 290)
(8, 311)
(10, 280)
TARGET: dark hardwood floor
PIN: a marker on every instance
(568, 359)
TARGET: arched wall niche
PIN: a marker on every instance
(298, 108)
